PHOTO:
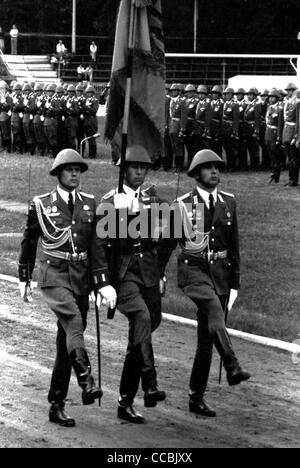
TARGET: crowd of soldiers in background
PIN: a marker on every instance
(254, 131)
(44, 119)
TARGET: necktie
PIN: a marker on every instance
(71, 203)
(211, 205)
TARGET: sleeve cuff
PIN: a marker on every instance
(101, 278)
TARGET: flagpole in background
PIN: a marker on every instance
(131, 44)
(196, 17)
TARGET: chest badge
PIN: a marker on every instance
(86, 208)
(48, 209)
(54, 209)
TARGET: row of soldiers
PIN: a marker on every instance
(46, 119)
(235, 123)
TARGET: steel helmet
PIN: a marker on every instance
(51, 87)
(71, 89)
(203, 157)
(175, 87)
(217, 89)
(136, 154)
(17, 87)
(202, 89)
(90, 89)
(253, 91)
(265, 92)
(65, 157)
(59, 89)
(65, 86)
(79, 87)
(167, 86)
(26, 87)
(189, 88)
(283, 93)
(229, 91)
(240, 91)
(274, 93)
(291, 86)
(37, 87)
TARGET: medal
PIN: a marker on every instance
(48, 210)
(54, 209)
(86, 208)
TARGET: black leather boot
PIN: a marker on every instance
(58, 415)
(152, 396)
(198, 405)
(235, 373)
(82, 368)
(127, 412)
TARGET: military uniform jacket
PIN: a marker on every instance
(36, 108)
(141, 260)
(230, 119)
(176, 114)
(252, 118)
(215, 118)
(71, 111)
(26, 109)
(221, 234)
(16, 108)
(241, 107)
(5, 106)
(189, 115)
(90, 109)
(274, 123)
(50, 111)
(202, 117)
(59, 272)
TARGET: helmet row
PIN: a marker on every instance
(52, 87)
(219, 90)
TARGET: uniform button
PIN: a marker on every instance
(229, 223)
(75, 235)
(90, 220)
(75, 248)
(211, 261)
(73, 222)
(213, 240)
(54, 222)
(48, 262)
(186, 261)
(213, 228)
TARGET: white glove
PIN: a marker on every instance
(68, 105)
(232, 298)
(47, 105)
(9, 113)
(21, 115)
(108, 296)
(82, 117)
(38, 104)
(25, 291)
(121, 201)
(162, 286)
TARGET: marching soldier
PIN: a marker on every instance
(90, 109)
(80, 129)
(188, 124)
(215, 124)
(208, 271)
(71, 114)
(36, 108)
(273, 137)
(51, 110)
(16, 118)
(136, 266)
(289, 134)
(241, 147)
(175, 114)
(5, 112)
(230, 128)
(252, 116)
(28, 96)
(202, 119)
(65, 221)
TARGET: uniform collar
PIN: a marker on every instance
(64, 194)
(205, 195)
(130, 192)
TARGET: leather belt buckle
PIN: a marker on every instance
(137, 249)
(74, 257)
(210, 256)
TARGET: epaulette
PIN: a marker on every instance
(109, 194)
(186, 195)
(228, 194)
(150, 191)
(44, 195)
(88, 195)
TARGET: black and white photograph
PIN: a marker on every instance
(150, 226)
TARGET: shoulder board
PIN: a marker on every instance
(150, 191)
(187, 195)
(44, 195)
(88, 195)
(109, 194)
(228, 194)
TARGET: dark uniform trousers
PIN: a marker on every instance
(135, 275)
(65, 284)
(208, 283)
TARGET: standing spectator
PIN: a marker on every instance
(14, 33)
(89, 73)
(93, 52)
(81, 73)
(1, 40)
(60, 50)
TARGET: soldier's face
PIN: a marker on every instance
(69, 177)
(208, 176)
(202, 96)
(135, 175)
(240, 97)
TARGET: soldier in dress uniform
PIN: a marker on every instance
(264, 98)
(209, 271)
(16, 118)
(135, 267)
(71, 115)
(80, 129)
(188, 123)
(90, 109)
(5, 112)
(215, 124)
(36, 109)
(273, 136)
(241, 146)
(175, 113)
(50, 111)
(230, 128)
(202, 119)
(61, 118)
(28, 119)
(252, 116)
(168, 150)
(65, 221)
(289, 136)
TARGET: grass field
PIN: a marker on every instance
(269, 233)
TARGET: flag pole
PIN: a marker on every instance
(131, 44)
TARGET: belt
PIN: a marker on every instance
(70, 257)
(190, 118)
(291, 124)
(175, 118)
(201, 121)
(136, 249)
(274, 127)
(211, 255)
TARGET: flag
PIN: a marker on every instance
(147, 103)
